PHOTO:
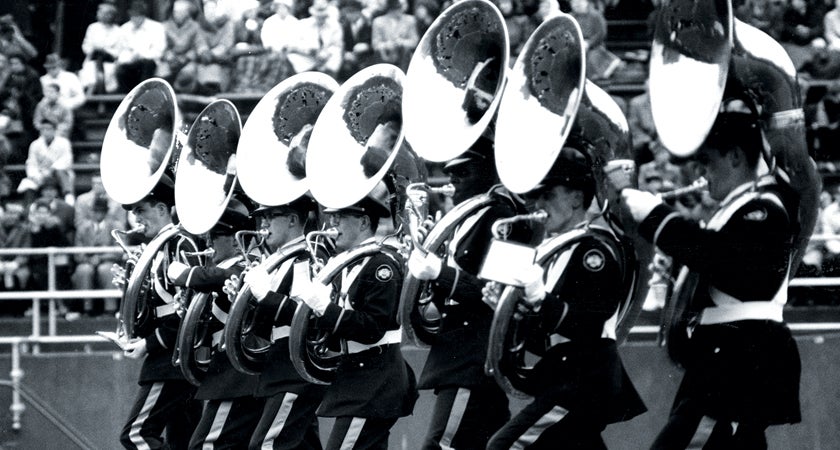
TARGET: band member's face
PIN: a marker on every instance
(278, 226)
(468, 180)
(560, 203)
(224, 246)
(152, 216)
(350, 227)
(719, 171)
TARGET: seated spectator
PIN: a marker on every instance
(831, 25)
(14, 233)
(600, 62)
(24, 88)
(101, 48)
(45, 231)
(394, 35)
(93, 270)
(279, 31)
(256, 69)
(49, 156)
(825, 126)
(426, 11)
(320, 43)
(142, 43)
(213, 74)
(642, 129)
(50, 109)
(50, 191)
(72, 95)
(356, 33)
(183, 36)
(12, 41)
(84, 204)
(802, 30)
(766, 15)
(519, 27)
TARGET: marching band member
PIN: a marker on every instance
(374, 386)
(230, 412)
(470, 406)
(741, 363)
(165, 399)
(579, 385)
(288, 419)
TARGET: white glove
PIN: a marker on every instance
(176, 271)
(118, 276)
(316, 296)
(424, 267)
(260, 282)
(640, 203)
(532, 284)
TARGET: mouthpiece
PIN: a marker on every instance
(501, 228)
(697, 186)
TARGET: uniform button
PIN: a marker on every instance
(563, 358)
(361, 364)
(717, 349)
(443, 315)
(466, 323)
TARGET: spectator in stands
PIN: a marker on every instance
(101, 48)
(49, 156)
(214, 60)
(356, 32)
(825, 126)
(425, 12)
(766, 15)
(12, 130)
(600, 62)
(93, 270)
(831, 25)
(14, 233)
(642, 128)
(24, 87)
(183, 39)
(256, 69)
(279, 31)
(320, 42)
(45, 231)
(802, 30)
(70, 87)
(142, 43)
(52, 110)
(519, 27)
(50, 191)
(84, 204)
(12, 41)
(394, 35)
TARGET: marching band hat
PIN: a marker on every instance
(737, 125)
(163, 192)
(375, 204)
(302, 206)
(234, 218)
(570, 169)
(480, 152)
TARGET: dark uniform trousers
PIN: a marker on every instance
(373, 386)
(579, 385)
(470, 406)
(287, 419)
(165, 400)
(742, 364)
(230, 411)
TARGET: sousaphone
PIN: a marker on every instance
(357, 143)
(700, 52)
(204, 186)
(548, 103)
(453, 89)
(272, 171)
(136, 158)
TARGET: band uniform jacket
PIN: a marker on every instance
(274, 315)
(741, 361)
(457, 355)
(580, 368)
(373, 381)
(162, 331)
(221, 381)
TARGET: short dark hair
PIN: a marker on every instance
(736, 130)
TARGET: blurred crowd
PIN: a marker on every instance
(207, 47)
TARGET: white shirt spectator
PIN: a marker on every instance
(71, 92)
(44, 159)
(279, 31)
(148, 41)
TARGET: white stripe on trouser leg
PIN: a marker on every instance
(531, 435)
(456, 414)
(217, 426)
(137, 425)
(353, 433)
(279, 420)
